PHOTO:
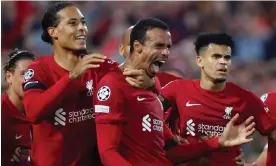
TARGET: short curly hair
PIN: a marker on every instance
(204, 39)
(50, 19)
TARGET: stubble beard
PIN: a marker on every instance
(219, 80)
(82, 51)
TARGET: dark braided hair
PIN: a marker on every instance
(16, 56)
(50, 19)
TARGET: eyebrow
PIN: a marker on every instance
(75, 19)
(163, 44)
(216, 54)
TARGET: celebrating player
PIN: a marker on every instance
(59, 89)
(124, 49)
(171, 116)
(16, 140)
(163, 77)
(206, 105)
(129, 121)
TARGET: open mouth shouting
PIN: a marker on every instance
(156, 65)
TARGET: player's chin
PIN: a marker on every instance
(79, 44)
(220, 80)
(80, 47)
(81, 51)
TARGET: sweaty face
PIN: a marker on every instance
(155, 50)
(71, 32)
(215, 62)
(17, 77)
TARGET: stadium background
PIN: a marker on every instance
(252, 24)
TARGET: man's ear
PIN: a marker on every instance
(137, 46)
(199, 61)
(8, 76)
(121, 50)
(52, 32)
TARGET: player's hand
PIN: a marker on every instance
(180, 140)
(87, 62)
(235, 135)
(239, 159)
(138, 78)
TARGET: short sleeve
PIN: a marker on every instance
(269, 100)
(169, 91)
(109, 102)
(265, 123)
(33, 77)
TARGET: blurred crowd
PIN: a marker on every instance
(252, 24)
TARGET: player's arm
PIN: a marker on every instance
(233, 135)
(170, 139)
(140, 79)
(261, 160)
(265, 123)
(136, 78)
(168, 94)
(40, 100)
(109, 137)
(109, 123)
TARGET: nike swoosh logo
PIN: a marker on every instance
(190, 105)
(18, 137)
(140, 99)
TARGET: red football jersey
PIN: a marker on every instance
(170, 117)
(129, 124)
(165, 78)
(204, 112)
(61, 111)
(16, 135)
(270, 100)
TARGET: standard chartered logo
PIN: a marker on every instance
(60, 118)
(210, 129)
(82, 115)
(16, 155)
(73, 116)
(203, 128)
(148, 124)
(190, 127)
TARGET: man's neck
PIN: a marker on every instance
(16, 100)
(208, 84)
(65, 58)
